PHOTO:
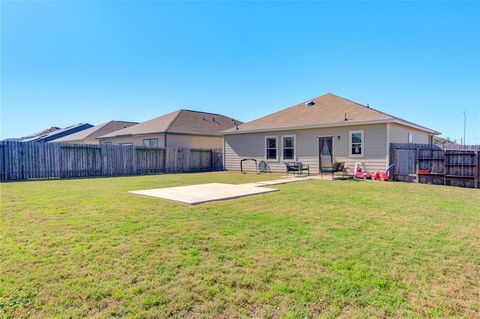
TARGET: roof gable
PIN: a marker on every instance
(194, 122)
(156, 125)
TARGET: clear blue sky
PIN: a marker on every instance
(64, 63)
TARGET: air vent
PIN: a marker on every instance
(310, 103)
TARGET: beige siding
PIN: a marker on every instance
(84, 141)
(87, 141)
(399, 134)
(252, 145)
(195, 141)
(190, 141)
(135, 140)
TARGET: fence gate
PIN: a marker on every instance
(404, 161)
(451, 165)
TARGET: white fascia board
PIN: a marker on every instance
(337, 124)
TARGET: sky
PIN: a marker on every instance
(69, 62)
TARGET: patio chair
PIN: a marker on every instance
(337, 167)
(296, 168)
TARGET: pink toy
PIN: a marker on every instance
(360, 171)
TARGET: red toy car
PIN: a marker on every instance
(382, 176)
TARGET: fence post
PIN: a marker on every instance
(417, 166)
(104, 154)
(212, 160)
(2, 160)
(391, 160)
(171, 159)
(174, 159)
(186, 160)
(22, 161)
(476, 168)
(134, 159)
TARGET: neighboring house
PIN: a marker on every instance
(89, 136)
(183, 128)
(56, 134)
(318, 133)
(34, 135)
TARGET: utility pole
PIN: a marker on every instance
(464, 126)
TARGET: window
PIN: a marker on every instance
(126, 144)
(356, 143)
(410, 137)
(271, 147)
(150, 142)
(288, 147)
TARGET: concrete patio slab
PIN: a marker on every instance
(202, 193)
(281, 181)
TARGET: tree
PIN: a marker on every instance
(444, 140)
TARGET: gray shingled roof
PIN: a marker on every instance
(180, 121)
(93, 132)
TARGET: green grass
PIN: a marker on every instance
(316, 249)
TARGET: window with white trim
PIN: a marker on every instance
(150, 142)
(271, 147)
(126, 144)
(288, 147)
(410, 137)
(356, 143)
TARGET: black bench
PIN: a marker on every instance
(297, 168)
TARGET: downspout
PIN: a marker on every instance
(388, 144)
(224, 156)
(165, 151)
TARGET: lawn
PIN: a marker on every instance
(316, 249)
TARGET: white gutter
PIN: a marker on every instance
(337, 124)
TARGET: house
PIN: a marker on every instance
(182, 128)
(89, 136)
(34, 135)
(55, 134)
(320, 132)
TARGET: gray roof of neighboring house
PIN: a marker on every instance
(60, 133)
(180, 122)
(96, 131)
(324, 111)
(34, 135)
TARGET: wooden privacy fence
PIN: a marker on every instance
(24, 161)
(452, 165)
